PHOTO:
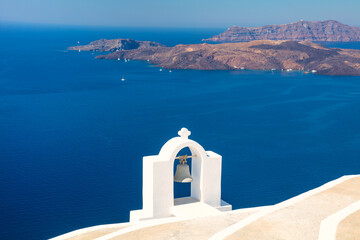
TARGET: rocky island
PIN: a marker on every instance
(104, 45)
(330, 30)
(256, 55)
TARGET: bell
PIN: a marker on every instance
(182, 173)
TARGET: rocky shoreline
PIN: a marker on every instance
(255, 55)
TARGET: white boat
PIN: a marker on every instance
(170, 70)
(118, 59)
(79, 50)
(122, 79)
(78, 42)
(160, 69)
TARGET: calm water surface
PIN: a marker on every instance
(72, 134)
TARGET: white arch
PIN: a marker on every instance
(158, 186)
(169, 152)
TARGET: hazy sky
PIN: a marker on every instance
(178, 13)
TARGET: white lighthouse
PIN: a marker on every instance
(158, 182)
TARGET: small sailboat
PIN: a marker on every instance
(123, 79)
(79, 50)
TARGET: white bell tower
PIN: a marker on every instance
(158, 182)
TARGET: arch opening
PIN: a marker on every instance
(182, 189)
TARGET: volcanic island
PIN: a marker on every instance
(296, 54)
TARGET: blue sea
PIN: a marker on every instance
(72, 134)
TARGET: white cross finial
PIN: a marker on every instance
(184, 133)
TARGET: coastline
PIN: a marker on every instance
(255, 55)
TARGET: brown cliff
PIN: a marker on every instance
(300, 31)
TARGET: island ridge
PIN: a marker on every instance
(255, 55)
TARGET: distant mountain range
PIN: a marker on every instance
(300, 31)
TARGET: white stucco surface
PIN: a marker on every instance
(265, 212)
(80, 232)
(190, 207)
(334, 206)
